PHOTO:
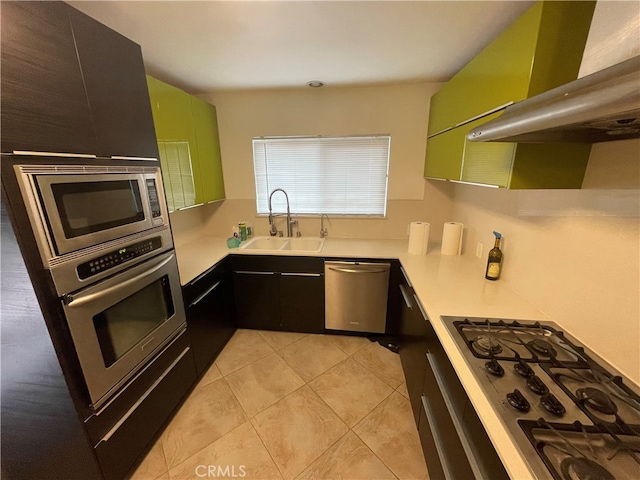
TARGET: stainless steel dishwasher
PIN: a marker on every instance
(356, 296)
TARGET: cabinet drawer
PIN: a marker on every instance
(119, 449)
(199, 286)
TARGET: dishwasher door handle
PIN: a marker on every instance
(358, 270)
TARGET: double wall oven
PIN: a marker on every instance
(103, 233)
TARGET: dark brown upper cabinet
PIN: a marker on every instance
(116, 86)
(44, 104)
(71, 85)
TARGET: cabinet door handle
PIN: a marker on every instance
(457, 422)
(353, 270)
(190, 206)
(201, 297)
(122, 157)
(290, 274)
(249, 272)
(54, 154)
(406, 277)
(406, 297)
(424, 314)
(126, 416)
(431, 420)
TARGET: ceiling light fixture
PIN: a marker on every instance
(315, 84)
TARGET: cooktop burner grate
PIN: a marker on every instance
(532, 342)
(583, 449)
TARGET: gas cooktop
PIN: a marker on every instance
(571, 415)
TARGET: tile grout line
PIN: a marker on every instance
(265, 447)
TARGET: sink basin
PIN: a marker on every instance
(265, 243)
(305, 244)
(297, 244)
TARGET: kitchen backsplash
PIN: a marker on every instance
(580, 267)
(217, 219)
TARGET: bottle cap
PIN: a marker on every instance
(497, 234)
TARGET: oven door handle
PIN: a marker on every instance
(74, 302)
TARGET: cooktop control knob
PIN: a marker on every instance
(494, 368)
(537, 386)
(518, 401)
(523, 369)
(552, 405)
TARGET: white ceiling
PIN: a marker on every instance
(206, 46)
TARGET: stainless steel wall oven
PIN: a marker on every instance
(103, 233)
(118, 323)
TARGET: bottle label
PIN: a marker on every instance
(493, 269)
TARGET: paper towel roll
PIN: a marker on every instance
(418, 238)
(452, 238)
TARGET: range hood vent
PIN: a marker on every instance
(600, 107)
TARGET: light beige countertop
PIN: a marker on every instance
(445, 285)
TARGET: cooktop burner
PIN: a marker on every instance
(532, 342)
(604, 398)
(571, 415)
(580, 452)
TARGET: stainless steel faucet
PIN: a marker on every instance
(323, 231)
(273, 231)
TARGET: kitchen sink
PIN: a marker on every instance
(297, 244)
(265, 243)
(305, 244)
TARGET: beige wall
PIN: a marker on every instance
(399, 110)
(574, 254)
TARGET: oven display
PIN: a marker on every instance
(117, 257)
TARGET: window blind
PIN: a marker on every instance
(332, 175)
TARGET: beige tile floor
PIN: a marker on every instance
(279, 405)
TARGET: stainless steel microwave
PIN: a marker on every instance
(78, 206)
(81, 211)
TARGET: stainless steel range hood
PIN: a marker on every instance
(600, 107)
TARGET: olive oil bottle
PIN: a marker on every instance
(494, 263)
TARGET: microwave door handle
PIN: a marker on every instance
(73, 302)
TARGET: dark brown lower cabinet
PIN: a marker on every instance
(449, 424)
(413, 345)
(454, 441)
(124, 444)
(302, 302)
(279, 293)
(209, 316)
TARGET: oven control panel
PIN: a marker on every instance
(117, 257)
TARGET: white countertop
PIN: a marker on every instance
(445, 285)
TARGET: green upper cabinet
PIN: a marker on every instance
(539, 51)
(189, 147)
(522, 165)
(208, 141)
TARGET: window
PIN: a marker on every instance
(332, 175)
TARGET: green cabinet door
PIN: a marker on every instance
(487, 163)
(539, 51)
(444, 155)
(523, 165)
(177, 144)
(208, 142)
